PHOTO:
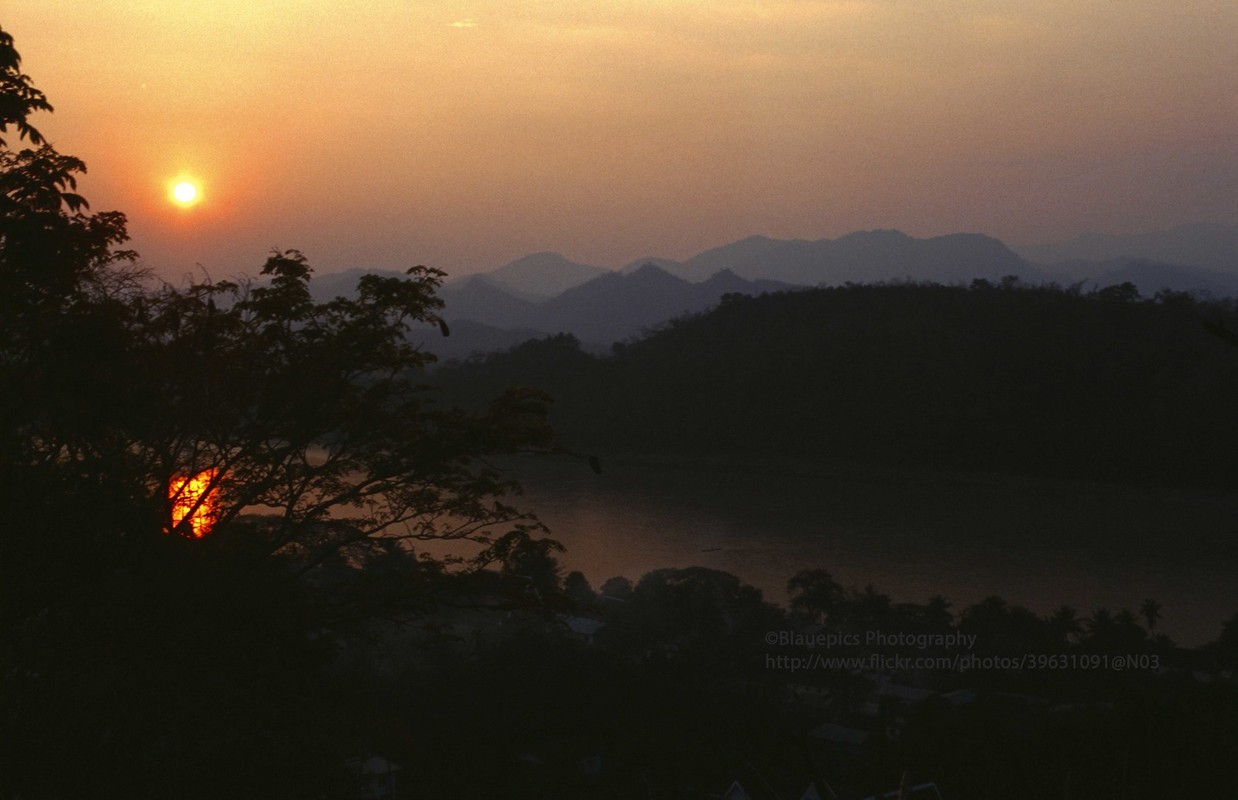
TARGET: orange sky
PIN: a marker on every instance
(462, 135)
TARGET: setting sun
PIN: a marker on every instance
(185, 193)
(195, 497)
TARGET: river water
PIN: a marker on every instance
(1040, 544)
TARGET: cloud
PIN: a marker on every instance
(465, 23)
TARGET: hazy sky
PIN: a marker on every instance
(465, 134)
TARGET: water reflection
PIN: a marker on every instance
(1038, 544)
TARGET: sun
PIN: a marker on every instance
(195, 497)
(185, 193)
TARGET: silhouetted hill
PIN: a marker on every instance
(668, 264)
(477, 298)
(544, 275)
(995, 377)
(603, 306)
(616, 306)
(1209, 246)
(469, 338)
(606, 309)
(863, 257)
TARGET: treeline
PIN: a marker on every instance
(668, 686)
(1004, 377)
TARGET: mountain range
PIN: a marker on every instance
(600, 311)
(546, 293)
(1212, 246)
(863, 257)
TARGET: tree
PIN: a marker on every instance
(1150, 610)
(617, 588)
(936, 613)
(868, 609)
(139, 650)
(705, 618)
(1064, 624)
(815, 594)
(532, 562)
(1224, 651)
(18, 97)
(1110, 632)
(577, 589)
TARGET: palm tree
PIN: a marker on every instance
(937, 614)
(1151, 613)
(1129, 632)
(1100, 627)
(1065, 624)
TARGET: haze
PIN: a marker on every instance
(463, 135)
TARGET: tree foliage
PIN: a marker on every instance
(133, 653)
(1007, 378)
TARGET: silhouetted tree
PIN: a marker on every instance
(1150, 610)
(1101, 630)
(577, 589)
(617, 588)
(823, 374)
(815, 594)
(1064, 624)
(1225, 648)
(1129, 635)
(703, 618)
(1004, 628)
(936, 613)
(137, 658)
(867, 609)
(530, 560)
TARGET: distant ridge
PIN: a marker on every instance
(1211, 246)
(862, 257)
(544, 275)
(478, 297)
(616, 306)
(1014, 380)
(547, 293)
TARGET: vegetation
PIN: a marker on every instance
(138, 657)
(1002, 377)
(679, 690)
(252, 635)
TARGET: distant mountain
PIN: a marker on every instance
(479, 298)
(1149, 277)
(1210, 246)
(617, 306)
(863, 257)
(485, 314)
(606, 309)
(544, 275)
(668, 264)
(545, 293)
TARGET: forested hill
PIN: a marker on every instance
(1037, 380)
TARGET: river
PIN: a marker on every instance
(1037, 543)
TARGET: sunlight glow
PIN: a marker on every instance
(185, 193)
(196, 498)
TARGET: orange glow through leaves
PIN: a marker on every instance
(194, 497)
